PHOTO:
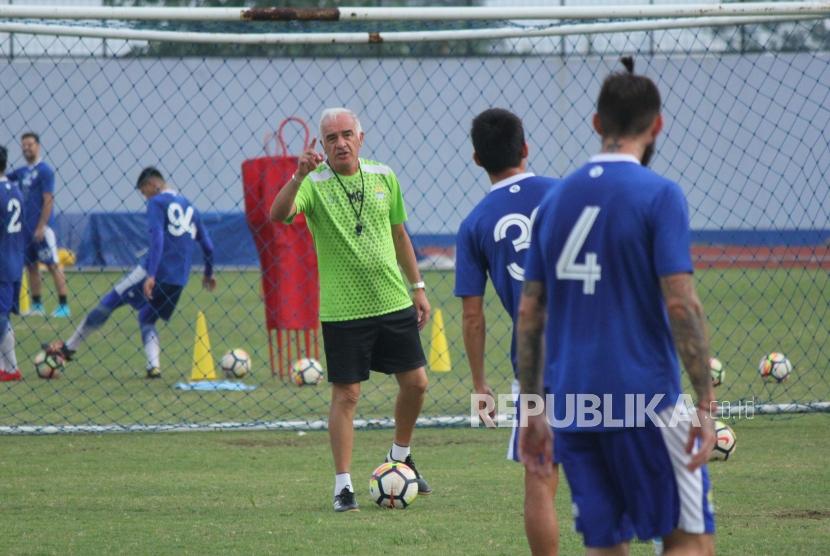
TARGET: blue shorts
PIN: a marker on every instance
(9, 297)
(629, 481)
(130, 291)
(45, 251)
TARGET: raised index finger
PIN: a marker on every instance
(313, 144)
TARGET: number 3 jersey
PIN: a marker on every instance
(175, 225)
(493, 240)
(600, 243)
(11, 236)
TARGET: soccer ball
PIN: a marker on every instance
(716, 369)
(393, 485)
(307, 372)
(48, 365)
(775, 366)
(236, 363)
(725, 442)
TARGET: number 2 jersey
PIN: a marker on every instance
(175, 225)
(11, 228)
(493, 238)
(600, 243)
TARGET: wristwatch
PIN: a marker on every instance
(418, 286)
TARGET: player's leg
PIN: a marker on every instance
(48, 255)
(9, 297)
(398, 351)
(541, 526)
(161, 306)
(35, 286)
(680, 543)
(347, 346)
(126, 292)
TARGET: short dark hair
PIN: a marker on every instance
(498, 139)
(31, 134)
(628, 103)
(146, 174)
(4, 157)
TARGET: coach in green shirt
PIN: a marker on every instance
(355, 212)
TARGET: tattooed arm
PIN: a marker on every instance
(688, 326)
(535, 436)
(530, 327)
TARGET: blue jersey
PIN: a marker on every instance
(11, 232)
(493, 239)
(34, 181)
(600, 243)
(175, 226)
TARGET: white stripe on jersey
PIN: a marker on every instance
(513, 446)
(136, 276)
(52, 245)
(322, 175)
(689, 484)
(376, 169)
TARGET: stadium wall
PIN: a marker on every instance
(102, 119)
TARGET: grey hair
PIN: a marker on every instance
(330, 113)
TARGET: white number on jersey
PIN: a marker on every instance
(14, 222)
(520, 242)
(180, 221)
(589, 272)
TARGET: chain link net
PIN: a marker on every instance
(746, 136)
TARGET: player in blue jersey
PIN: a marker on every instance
(153, 288)
(11, 267)
(492, 240)
(37, 182)
(610, 260)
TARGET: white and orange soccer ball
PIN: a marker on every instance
(775, 366)
(48, 365)
(717, 371)
(725, 442)
(393, 485)
(236, 363)
(307, 372)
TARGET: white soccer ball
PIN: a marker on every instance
(724, 443)
(236, 363)
(393, 485)
(307, 372)
(717, 371)
(775, 366)
(48, 365)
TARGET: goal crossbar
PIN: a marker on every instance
(388, 37)
(17, 11)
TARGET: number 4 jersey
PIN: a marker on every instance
(600, 243)
(175, 225)
(11, 236)
(493, 240)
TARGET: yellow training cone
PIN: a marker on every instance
(203, 367)
(24, 305)
(439, 350)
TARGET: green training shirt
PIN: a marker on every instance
(359, 274)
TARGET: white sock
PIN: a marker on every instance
(152, 348)
(74, 342)
(399, 453)
(8, 360)
(341, 481)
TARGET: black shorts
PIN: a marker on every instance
(387, 344)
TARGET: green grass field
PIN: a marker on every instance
(269, 493)
(751, 312)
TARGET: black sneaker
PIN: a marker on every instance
(153, 372)
(57, 347)
(423, 486)
(345, 502)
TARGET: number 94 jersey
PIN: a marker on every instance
(11, 237)
(175, 226)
